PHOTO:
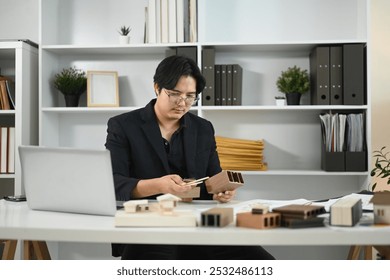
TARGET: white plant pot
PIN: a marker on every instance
(124, 40)
(280, 102)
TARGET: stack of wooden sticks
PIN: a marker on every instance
(240, 154)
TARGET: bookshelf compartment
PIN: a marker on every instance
(76, 129)
(290, 143)
(19, 62)
(263, 21)
(76, 22)
(260, 72)
(135, 75)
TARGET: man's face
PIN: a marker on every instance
(174, 103)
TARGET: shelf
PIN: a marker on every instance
(7, 112)
(112, 49)
(275, 46)
(204, 108)
(87, 110)
(7, 176)
(282, 46)
(280, 108)
(301, 173)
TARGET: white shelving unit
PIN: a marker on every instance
(264, 37)
(19, 61)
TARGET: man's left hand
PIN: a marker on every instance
(224, 196)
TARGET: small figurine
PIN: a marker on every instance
(167, 203)
(381, 201)
(138, 205)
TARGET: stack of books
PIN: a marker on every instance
(7, 149)
(171, 21)
(240, 154)
(7, 94)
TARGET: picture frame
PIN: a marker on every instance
(102, 89)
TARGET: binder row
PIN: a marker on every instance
(171, 21)
(343, 142)
(7, 149)
(7, 94)
(190, 52)
(223, 81)
(337, 75)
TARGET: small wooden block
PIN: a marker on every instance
(217, 217)
(192, 193)
(260, 208)
(300, 211)
(224, 181)
(259, 221)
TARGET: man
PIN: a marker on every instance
(154, 148)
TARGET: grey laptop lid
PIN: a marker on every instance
(68, 180)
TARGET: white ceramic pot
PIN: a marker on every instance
(280, 102)
(124, 40)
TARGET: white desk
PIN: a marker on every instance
(18, 222)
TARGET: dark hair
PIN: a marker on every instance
(172, 68)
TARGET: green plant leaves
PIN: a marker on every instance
(293, 80)
(382, 166)
(71, 81)
(125, 30)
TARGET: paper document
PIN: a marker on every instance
(342, 132)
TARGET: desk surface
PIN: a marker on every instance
(17, 221)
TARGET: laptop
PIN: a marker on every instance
(68, 180)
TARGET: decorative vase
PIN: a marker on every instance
(72, 100)
(293, 98)
(124, 40)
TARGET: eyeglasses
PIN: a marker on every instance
(176, 98)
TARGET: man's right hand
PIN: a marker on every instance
(173, 184)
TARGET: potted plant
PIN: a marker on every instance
(293, 83)
(124, 34)
(72, 83)
(382, 166)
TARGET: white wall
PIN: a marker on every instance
(380, 75)
(19, 19)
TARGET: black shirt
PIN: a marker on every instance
(175, 152)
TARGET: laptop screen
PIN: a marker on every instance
(68, 180)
